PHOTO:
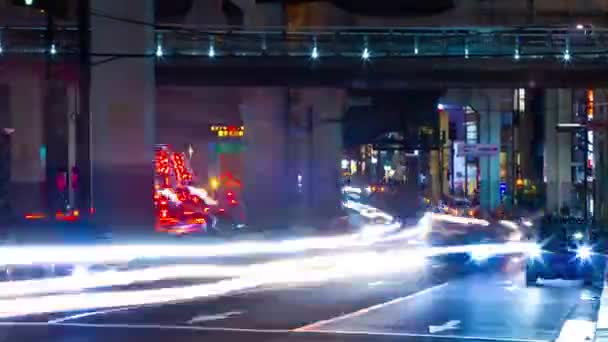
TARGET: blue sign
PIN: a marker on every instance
(503, 190)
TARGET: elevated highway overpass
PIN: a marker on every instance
(400, 57)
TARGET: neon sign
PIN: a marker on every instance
(228, 131)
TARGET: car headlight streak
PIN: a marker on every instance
(584, 252)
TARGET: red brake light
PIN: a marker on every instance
(34, 216)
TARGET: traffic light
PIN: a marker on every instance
(56, 8)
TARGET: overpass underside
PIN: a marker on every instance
(387, 72)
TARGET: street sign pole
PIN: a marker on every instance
(83, 123)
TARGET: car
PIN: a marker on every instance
(563, 252)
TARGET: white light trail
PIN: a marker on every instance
(172, 196)
(291, 271)
(124, 253)
(459, 219)
(26, 255)
(367, 211)
(83, 280)
(352, 189)
(313, 269)
(509, 224)
(202, 194)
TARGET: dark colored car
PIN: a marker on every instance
(563, 252)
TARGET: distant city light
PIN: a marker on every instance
(516, 56)
(344, 163)
(567, 57)
(190, 151)
(466, 53)
(215, 183)
(159, 51)
(1, 49)
(29, 2)
(580, 26)
(211, 52)
(53, 49)
(570, 125)
(440, 106)
(314, 54)
(365, 55)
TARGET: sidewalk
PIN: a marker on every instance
(601, 333)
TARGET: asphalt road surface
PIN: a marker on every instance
(444, 301)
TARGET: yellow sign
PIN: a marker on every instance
(228, 131)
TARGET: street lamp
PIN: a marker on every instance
(365, 54)
(314, 54)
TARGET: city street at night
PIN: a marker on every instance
(303, 170)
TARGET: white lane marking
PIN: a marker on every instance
(319, 324)
(216, 317)
(143, 326)
(267, 331)
(376, 283)
(405, 334)
(449, 325)
(575, 330)
(87, 314)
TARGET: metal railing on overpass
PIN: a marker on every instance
(516, 43)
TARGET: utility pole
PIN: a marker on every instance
(83, 123)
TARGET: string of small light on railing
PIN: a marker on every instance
(316, 50)
(366, 52)
(567, 57)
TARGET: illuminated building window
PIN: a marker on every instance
(590, 104)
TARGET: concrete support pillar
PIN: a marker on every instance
(558, 149)
(25, 94)
(56, 140)
(264, 113)
(491, 104)
(325, 154)
(123, 117)
(601, 159)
